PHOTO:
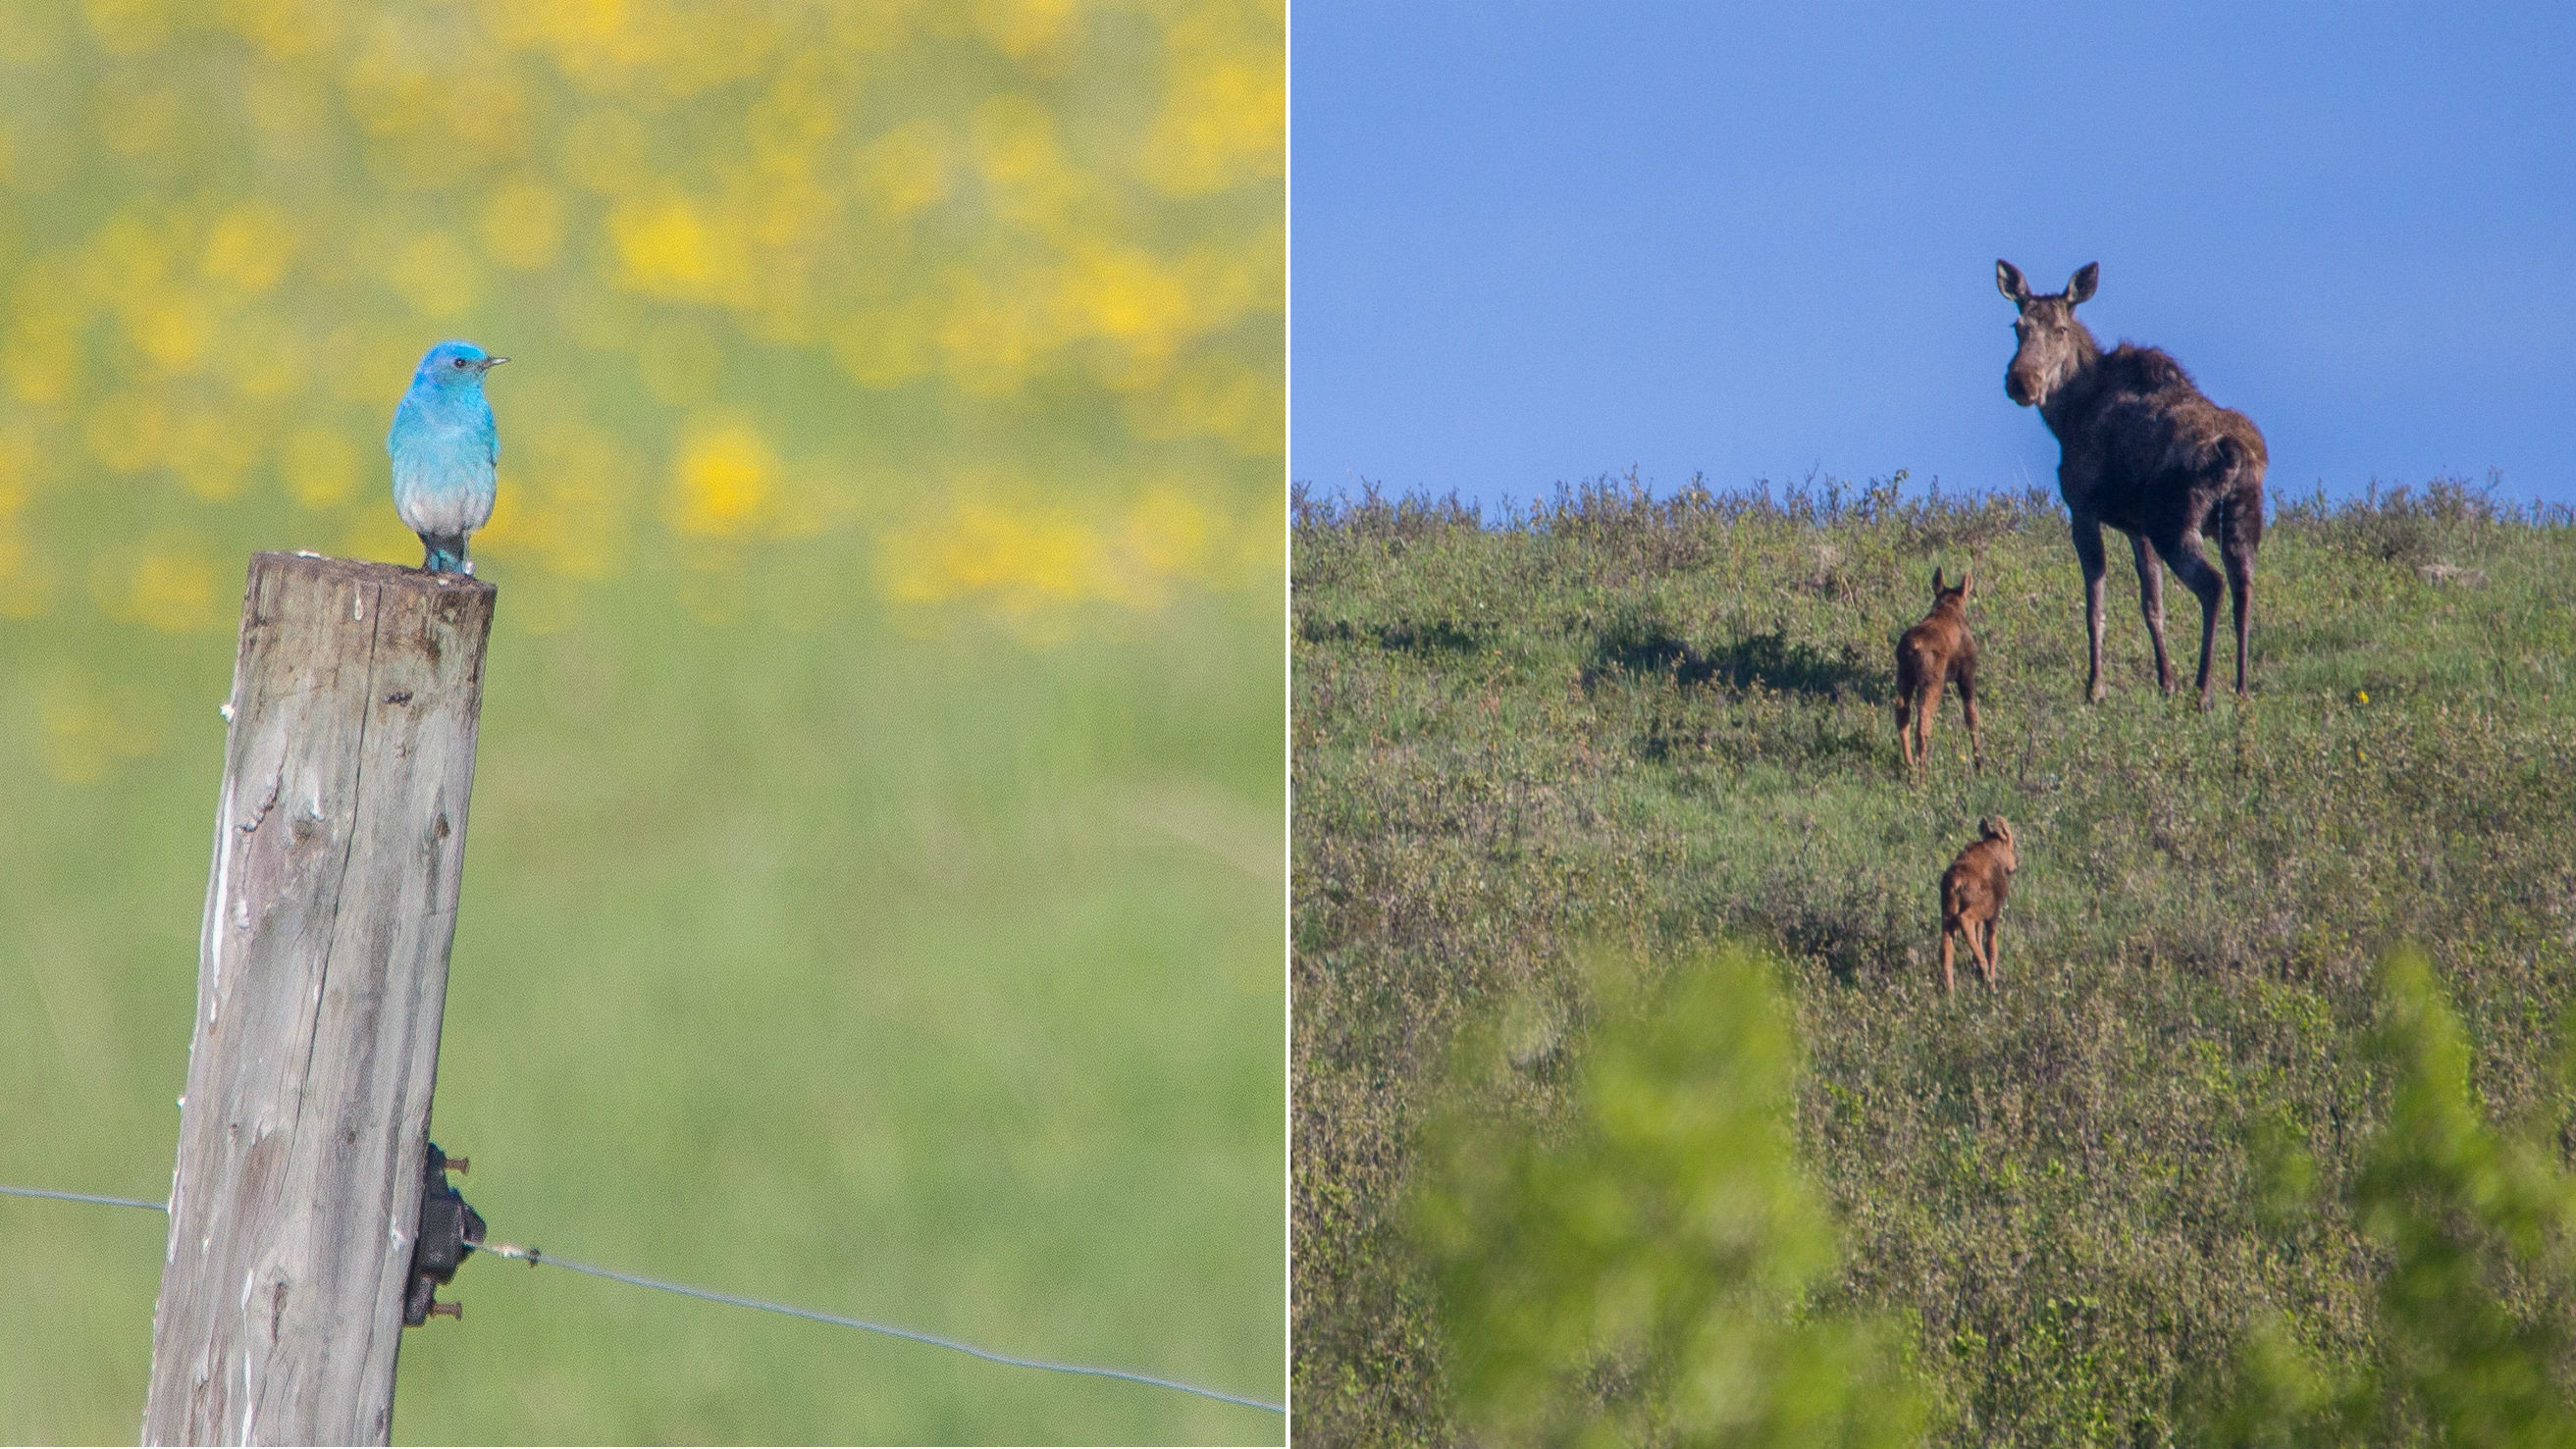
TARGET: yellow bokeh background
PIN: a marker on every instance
(991, 294)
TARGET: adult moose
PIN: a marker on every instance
(2140, 448)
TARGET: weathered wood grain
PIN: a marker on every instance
(322, 973)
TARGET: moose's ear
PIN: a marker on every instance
(2087, 277)
(1968, 581)
(1936, 581)
(2008, 281)
(1985, 827)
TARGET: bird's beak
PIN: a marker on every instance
(492, 362)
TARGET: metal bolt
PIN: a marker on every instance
(460, 1164)
(452, 1310)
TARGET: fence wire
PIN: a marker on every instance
(533, 1257)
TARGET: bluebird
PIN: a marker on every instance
(444, 450)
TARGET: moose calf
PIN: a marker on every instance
(1972, 892)
(1932, 654)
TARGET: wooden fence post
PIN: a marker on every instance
(321, 974)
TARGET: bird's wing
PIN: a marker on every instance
(408, 421)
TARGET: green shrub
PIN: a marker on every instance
(1638, 1264)
(2479, 1229)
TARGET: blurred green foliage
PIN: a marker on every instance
(2468, 1216)
(873, 894)
(1637, 1264)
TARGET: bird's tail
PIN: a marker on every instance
(446, 555)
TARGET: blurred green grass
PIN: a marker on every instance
(927, 983)
(874, 894)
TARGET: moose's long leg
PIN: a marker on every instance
(1994, 951)
(2151, 603)
(1949, 979)
(2239, 556)
(1968, 707)
(2192, 567)
(2088, 553)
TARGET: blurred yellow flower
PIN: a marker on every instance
(1021, 560)
(1018, 561)
(285, 29)
(801, 109)
(126, 27)
(1027, 177)
(905, 170)
(861, 26)
(250, 247)
(722, 481)
(172, 328)
(1021, 28)
(1125, 295)
(673, 248)
(1224, 120)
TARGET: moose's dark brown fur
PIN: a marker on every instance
(1932, 654)
(2140, 448)
(1972, 895)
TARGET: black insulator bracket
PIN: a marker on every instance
(449, 1229)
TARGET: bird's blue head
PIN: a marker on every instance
(455, 365)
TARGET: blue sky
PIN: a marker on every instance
(1534, 243)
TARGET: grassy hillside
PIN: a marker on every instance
(1659, 724)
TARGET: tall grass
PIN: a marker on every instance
(1665, 722)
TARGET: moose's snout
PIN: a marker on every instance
(2017, 387)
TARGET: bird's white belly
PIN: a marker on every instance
(436, 491)
(444, 510)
